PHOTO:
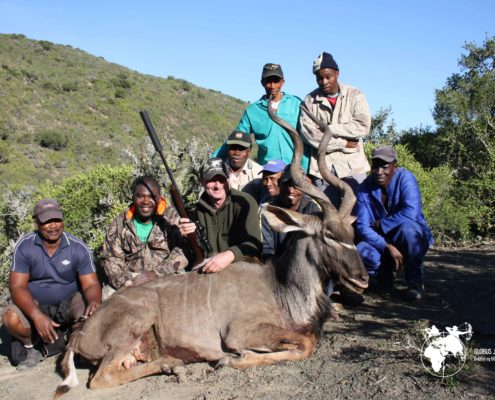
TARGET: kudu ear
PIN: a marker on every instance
(284, 220)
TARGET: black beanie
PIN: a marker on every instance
(324, 60)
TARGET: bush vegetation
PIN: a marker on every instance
(453, 162)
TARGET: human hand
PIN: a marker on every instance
(397, 257)
(186, 226)
(90, 309)
(219, 261)
(45, 327)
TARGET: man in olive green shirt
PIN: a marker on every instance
(231, 219)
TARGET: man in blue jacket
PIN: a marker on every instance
(390, 225)
(274, 143)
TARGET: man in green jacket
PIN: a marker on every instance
(231, 219)
(274, 143)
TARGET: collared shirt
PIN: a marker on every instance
(349, 120)
(52, 279)
(249, 172)
(274, 143)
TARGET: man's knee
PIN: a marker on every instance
(16, 324)
(371, 257)
(409, 230)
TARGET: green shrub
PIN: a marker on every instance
(120, 93)
(69, 86)
(46, 45)
(52, 140)
(4, 153)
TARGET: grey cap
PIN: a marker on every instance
(240, 138)
(271, 69)
(214, 166)
(385, 153)
(47, 209)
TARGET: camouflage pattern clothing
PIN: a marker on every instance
(124, 256)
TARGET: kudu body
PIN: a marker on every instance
(246, 315)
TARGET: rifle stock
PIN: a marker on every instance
(175, 193)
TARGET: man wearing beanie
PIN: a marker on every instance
(274, 143)
(345, 110)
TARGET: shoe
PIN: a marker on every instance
(351, 298)
(33, 358)
(415, 292)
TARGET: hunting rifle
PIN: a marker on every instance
(198, 247)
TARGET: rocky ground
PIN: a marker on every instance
(373, 351)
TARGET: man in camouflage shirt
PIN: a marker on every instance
(143, 242)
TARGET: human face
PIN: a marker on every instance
(327, 80)
(383, 171)
(237, 156)
(51, 230)
(273, 86)
(270, 181)
(216, 188)
(290, 196)
(144, 201)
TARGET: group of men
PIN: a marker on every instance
(53, 280)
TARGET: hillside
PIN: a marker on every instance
(63, 110)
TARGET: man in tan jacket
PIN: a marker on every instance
(345, 110)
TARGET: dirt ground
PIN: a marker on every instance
(371, 352)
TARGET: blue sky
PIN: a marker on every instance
(396, 52)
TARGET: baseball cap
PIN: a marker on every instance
(213, 167)
(271, 69)
(274, 166)
(47, 209)
(385, 153)
(240, 138)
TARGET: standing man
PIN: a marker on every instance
(390, 224)
(243, 172)
(143, 242)
(231, 220)
(345, 110)
(274, 143)
(53, 284)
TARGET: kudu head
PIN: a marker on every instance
(332, 233)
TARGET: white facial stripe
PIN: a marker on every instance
(346, 245)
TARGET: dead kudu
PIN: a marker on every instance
(246, 315)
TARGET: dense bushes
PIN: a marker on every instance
(91, 200)
(52, 139)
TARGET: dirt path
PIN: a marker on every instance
(369, 353)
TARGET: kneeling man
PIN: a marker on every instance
(53, 284)
(390, 225)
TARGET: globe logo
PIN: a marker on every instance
(443, 353)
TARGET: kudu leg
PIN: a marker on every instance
(111, 373)
(265, 345)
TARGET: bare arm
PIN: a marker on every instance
(23, 299)
(92, 292)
